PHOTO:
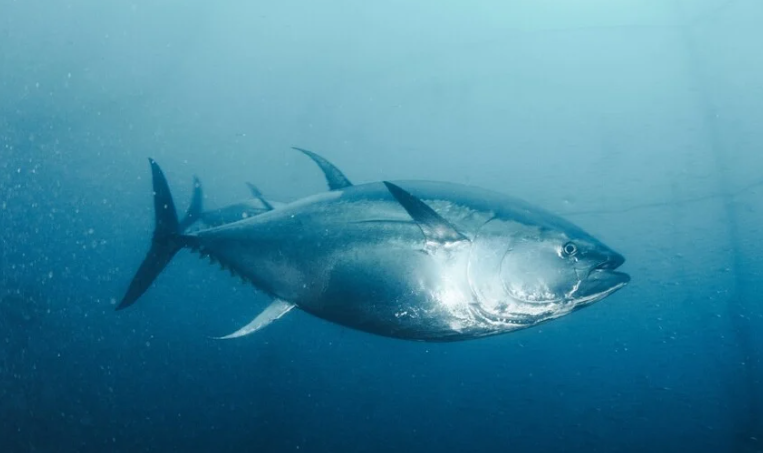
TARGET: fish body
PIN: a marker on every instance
(414, 260)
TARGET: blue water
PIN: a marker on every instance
(639, 121)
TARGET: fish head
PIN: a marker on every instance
(525, 274)
(554, 267)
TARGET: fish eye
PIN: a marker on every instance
(570, 249)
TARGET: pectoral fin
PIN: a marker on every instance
(432, 224)
(274, 311)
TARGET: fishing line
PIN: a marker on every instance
(748, 424)
(662, 204)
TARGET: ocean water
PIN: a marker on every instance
(639, 121)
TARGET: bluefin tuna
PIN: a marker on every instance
(415, 260)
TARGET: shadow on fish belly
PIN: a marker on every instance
(414, 260)
(424, 330)
(375, 306)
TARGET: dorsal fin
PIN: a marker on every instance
(258, 195)
(335, 179)
(434, 227)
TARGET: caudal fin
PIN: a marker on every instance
(166, 242)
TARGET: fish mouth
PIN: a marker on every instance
(602, 280)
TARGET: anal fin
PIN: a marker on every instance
(275, 310)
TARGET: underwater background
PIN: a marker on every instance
(641, 121)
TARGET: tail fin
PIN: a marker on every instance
(166, 242)
(195, 209)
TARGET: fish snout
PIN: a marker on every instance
(612, 261)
